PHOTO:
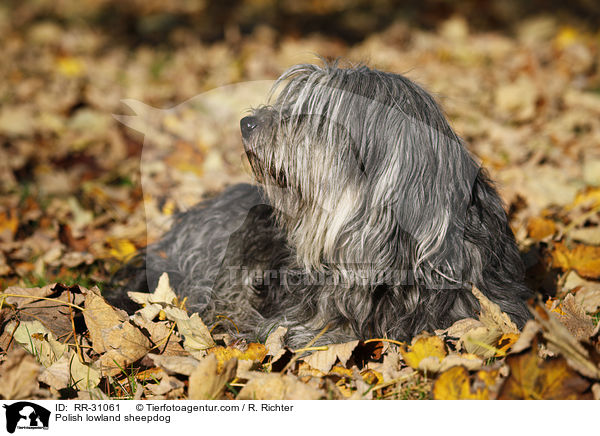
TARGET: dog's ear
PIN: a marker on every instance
(418, 183)
(431, 193)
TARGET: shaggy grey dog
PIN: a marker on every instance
(370, 216)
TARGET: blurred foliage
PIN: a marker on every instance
(350, 20)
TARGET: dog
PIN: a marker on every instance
(370, 216)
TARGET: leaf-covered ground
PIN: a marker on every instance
(75, 202)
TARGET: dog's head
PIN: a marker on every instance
(361, 166)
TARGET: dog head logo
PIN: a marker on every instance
(26, 415)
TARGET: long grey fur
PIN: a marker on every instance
(370, 215)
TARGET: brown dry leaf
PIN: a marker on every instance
(305, 370)
(532, 378)
(588, 198)
(275, 342)
(540, 228)
(530, 331)
(460, 327)
(517, 100)
(274, 386)
(37, 340)
(424, 347)
(33, 292)
(154, 302)
(68, 371)
(18, 375)
(175, 364)
(207, 382)
(480, 341)
(167, 385)
(587, 293)
(252, 351)
(55, 316)
(325, 359)
(9, 222)
(112, 335)
(162, 335)
(491, 315)
(586, 235)
(560, 340)
(197, 337)
(575, 319)
(455, 384)
(469, 361)
(585, 259)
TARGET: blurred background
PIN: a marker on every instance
(519, 81)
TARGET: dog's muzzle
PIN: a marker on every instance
(247, 126)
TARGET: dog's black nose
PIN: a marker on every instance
(247, 125)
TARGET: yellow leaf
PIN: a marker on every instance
(505, 342)
(422, 347)
(372, 377)
(537, 379)
(121, 249)
(9, 223)
(567, 36)
(590, 197)
(209, 380)
(540, 228)
(455, 384)
(254, 351)
(341, 371)
(69, 66)
(585, 259)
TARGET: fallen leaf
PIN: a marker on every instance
(162, 335)
(587, 293)
(69, 372)
(529, 333)
(540, 228)
(532, 378)
(517, 100)
(560, 340)
(575, 319)
(37, 340)
(18, 375)
(325, 359)
(273, 386)
(460, 327)
(274, 342)
(175, 364)
(586, 235)
(196, 335)
(167, 385)
(121, 249)
(69, 66)
(491, 315)
(54, 315)
(480, 341)
(9, 222)
(424, 347)
(207, 382)
(455, 384)
(585, 259)
(252, 351)
(113, 336)
(469, 361)
(154, 302)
